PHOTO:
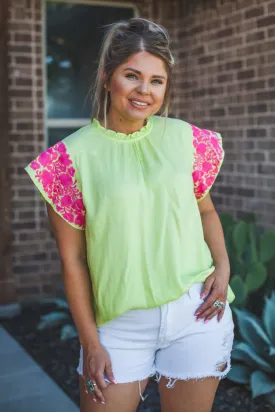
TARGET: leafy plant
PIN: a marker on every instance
(250, 251)
(59, 317)
(254, 357)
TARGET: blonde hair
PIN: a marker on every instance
(122, 40)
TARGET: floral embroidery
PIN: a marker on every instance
(54, 170)
(207, 160)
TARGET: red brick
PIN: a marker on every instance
(256, 133)
(245, 74)
(224, 32)
(236, 110)
(266, 95)
(21, 37)
(234, 65)
(254, 12)
(206, 59)
(266, 21)
(23, 81)
(257, 36)
(23, 59)
(271, 7)
(20, 48)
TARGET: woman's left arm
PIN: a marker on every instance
(216, 284)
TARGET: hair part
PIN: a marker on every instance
(121, 41)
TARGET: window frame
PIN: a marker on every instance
(69, 123)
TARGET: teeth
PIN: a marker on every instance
(139, 103)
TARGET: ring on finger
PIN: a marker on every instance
(91, 385)
(218, 304)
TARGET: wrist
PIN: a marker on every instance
(91, 344)
(89, 340)
(223, 267)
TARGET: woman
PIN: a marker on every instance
(145, 266)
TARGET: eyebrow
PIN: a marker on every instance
(138, 72)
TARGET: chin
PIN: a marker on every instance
(133, 116)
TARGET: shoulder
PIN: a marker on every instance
(208, 158)
(206, 135)
(185, 128)
(171, 124)
(207, 142)
(79, 140)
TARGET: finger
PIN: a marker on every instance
(91, 394)
(109, 373)
(220, 315)
(95, 392)
(209, 302)
(85, 384)
(100, 381)
(100, 385)
(207, 287)
(212, 314)
(99, 395)
(207, 312)
(87, 390)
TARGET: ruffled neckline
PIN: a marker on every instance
(138, 135)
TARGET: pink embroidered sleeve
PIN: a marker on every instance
(208, 158)
(55, 177)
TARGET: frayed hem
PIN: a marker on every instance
(172, 379)
(128, 381)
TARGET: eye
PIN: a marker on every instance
(157, 81)
(131, 76)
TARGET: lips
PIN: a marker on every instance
(140, 101)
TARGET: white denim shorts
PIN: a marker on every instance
(167, 341)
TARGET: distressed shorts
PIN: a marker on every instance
(167, 341)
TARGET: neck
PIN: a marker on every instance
(120, 125)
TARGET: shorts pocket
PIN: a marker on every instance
(195, 291)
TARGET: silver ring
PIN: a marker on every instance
(218, 304)
(91, 385)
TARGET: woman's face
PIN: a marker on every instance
(137, 87)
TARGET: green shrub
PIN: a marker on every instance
(61, 316)
(251, 253)
(253, 358)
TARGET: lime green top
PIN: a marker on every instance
(136, 196)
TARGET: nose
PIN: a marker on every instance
(144, 88)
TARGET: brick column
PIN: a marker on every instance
(7, 285)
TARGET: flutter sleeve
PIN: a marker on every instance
(54, 174)
(208, 158)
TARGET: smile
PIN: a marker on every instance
(136, 103)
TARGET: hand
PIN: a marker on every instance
(96, 362)
(215, 287)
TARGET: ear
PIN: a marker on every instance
(103, 77)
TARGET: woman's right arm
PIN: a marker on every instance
(71, 244)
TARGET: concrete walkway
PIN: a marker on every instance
(24, 386)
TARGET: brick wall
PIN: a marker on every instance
(33, 249)
(227, 83)
(224, 81)
(7, 289)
